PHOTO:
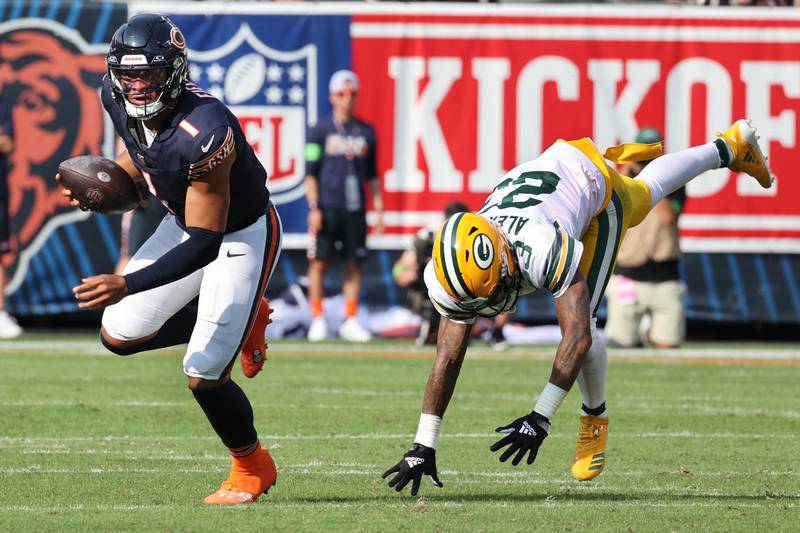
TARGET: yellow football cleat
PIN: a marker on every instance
(747, 156)
(590, 450)
(249, 478)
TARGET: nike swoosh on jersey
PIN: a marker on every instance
(229, 254)
(207, 146)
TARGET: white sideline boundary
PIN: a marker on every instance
(94, 348)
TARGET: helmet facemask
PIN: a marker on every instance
(147, 65)
(505, 294)
(146, 91)
(475, 264)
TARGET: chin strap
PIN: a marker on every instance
(141, 112)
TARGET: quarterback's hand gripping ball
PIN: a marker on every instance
(523, 435)
(417, 461)
(97, 184)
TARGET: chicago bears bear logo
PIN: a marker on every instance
(50, 76)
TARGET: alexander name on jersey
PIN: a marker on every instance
(544, 206)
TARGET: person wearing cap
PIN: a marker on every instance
(340, 158)
(646, 282)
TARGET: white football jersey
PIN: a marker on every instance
(544, 206)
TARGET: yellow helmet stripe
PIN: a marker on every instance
(449, 255)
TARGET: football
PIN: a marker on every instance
(99, 184)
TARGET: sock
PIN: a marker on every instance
(176, 330)
(350, 307)
(725, 152)
(592, 377)
(316, 306)
(231, 416)
(599, 411)
(670, 172)
(497, 334)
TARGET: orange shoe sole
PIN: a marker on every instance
(231, 496)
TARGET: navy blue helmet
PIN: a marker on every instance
(147, 64)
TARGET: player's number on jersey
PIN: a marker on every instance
(526, 187)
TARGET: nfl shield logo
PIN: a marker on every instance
(274, 95)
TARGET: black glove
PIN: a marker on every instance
(525, 434)
(418, 460)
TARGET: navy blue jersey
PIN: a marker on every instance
(335, 151)
(7, 127)
(200, 133)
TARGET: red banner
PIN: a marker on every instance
(459, 98)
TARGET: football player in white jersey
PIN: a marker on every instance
(554, 223)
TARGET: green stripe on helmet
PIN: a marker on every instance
(454, 255)
(449, 256)
(443, 255)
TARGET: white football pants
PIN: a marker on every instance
(230, 290)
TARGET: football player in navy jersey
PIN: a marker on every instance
(220, 240)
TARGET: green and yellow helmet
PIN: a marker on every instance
(474, 263)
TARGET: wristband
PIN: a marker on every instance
(549, 400)
(201, 248)
(428, 430)
(398, 269)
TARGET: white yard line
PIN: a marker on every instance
(543, 503)
(629, 473)
(93, 348)
(695, 409)
(789, 353)
(631, 404)
(81, 347)
(370, 470)
(174, 405)
(5, 441)
(35, 469)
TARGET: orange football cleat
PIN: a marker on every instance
(254, 351)
(250, 477)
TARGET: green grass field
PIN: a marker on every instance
(101, 443)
